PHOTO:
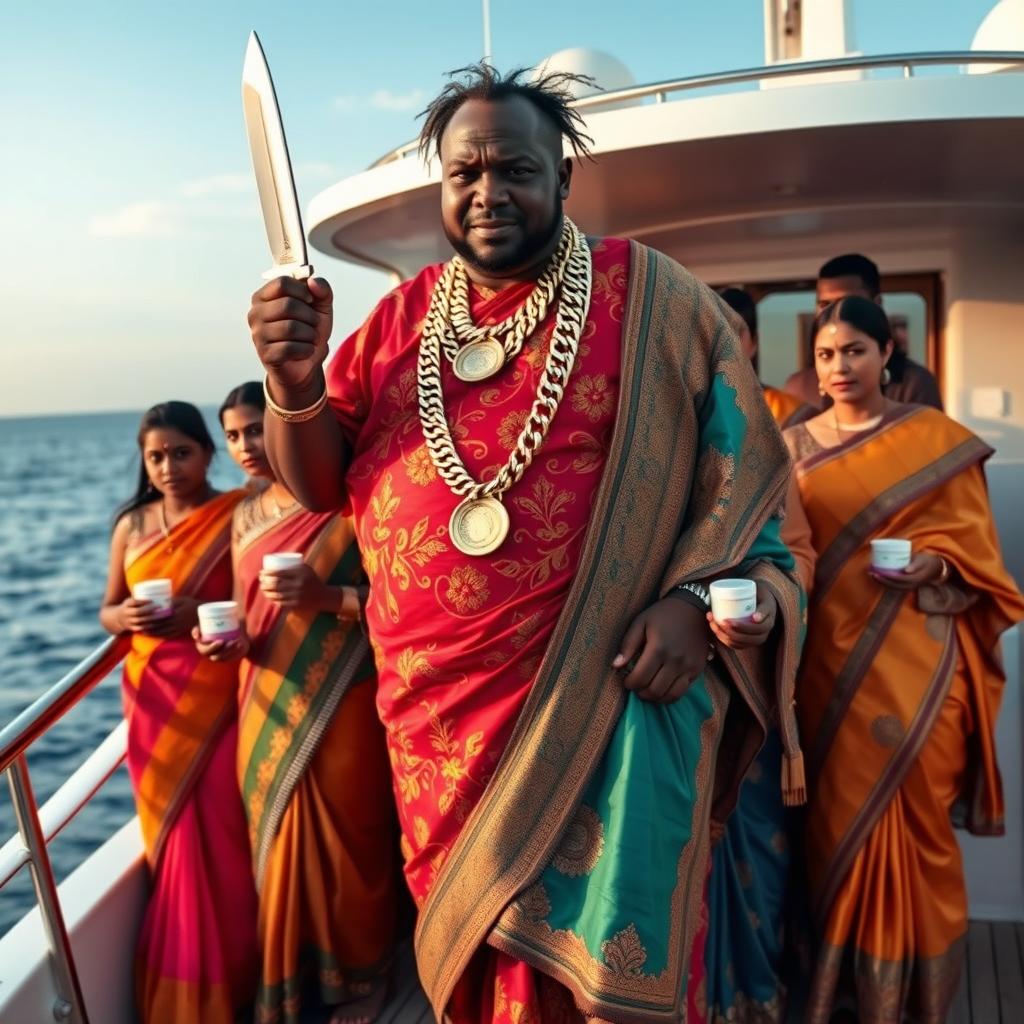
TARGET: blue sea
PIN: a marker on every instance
(61, 477)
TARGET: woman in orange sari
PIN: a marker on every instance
(312, 760)
(786, 409)
(196, 959)
(900, 681)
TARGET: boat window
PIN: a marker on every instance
(785, 311)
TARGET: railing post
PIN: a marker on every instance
(69, 1005)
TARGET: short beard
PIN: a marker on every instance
(521, 256)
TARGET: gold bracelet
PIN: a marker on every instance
(293, 415)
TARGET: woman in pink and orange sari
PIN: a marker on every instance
(196, 958)
(312, 759)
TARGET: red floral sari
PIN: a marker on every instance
(458, 639)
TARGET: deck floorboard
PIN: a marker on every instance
(991, 990)
(1009, 977)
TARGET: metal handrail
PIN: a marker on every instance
(18, 735)
(15, 739)
(62, 808)
(661, 90)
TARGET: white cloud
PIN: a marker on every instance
(151, 219)
(383, 99)
(315, 169)
(217, 184)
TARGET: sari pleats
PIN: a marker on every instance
(903, 907)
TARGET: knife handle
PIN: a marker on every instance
(298, 271)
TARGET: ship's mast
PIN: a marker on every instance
(806, 30)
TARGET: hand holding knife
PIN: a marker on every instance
(291, 317)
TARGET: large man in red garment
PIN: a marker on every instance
(550, 446)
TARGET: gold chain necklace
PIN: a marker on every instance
(277, 510)
(164, 528)
(478, 352)
(480, 523)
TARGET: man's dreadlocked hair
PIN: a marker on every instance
(549, 93)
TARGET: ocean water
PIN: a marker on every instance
(61, 478)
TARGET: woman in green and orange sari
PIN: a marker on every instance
(900, 681)
(196, 959)
(312, 759)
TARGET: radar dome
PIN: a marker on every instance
(1002, 29)
(608, 72)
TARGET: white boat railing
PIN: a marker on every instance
(36, 828)
(661, 91)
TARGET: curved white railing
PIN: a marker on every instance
(661, 91)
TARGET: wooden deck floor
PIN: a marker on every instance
(992, 991)
(993, 987)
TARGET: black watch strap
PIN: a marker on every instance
(689, 597)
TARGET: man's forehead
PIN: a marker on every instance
(508, 124)
(848, 284)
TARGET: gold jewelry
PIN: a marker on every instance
(944, 571)
(476, 527)
(277, 510)
(479, 525)
(886, 376)
(164, 528)
(477, 353)
(293, 415)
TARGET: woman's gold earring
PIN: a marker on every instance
(886, 376)
(821, 389)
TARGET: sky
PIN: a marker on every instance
(132, 234)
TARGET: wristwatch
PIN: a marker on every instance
(693, 593)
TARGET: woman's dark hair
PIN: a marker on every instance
(866, 316)
(742, 303)
(249, 393)
(549, 93)
(180, 416)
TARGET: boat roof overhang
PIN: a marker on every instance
(791, 160)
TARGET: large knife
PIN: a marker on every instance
(273, 168)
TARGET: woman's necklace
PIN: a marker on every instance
(858, 428)
(277, 510)
(164, 528)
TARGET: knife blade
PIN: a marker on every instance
(272, 167)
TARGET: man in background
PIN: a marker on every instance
(854, 274)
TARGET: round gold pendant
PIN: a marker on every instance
(479, 526)
(478, 360)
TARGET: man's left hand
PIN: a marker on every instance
(740, 635)
(668, 645)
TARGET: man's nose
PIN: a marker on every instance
(491, 191)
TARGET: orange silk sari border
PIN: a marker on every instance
(934, 469)
(575, 702)
(889, 780)
(884, 984)
(847, 681)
